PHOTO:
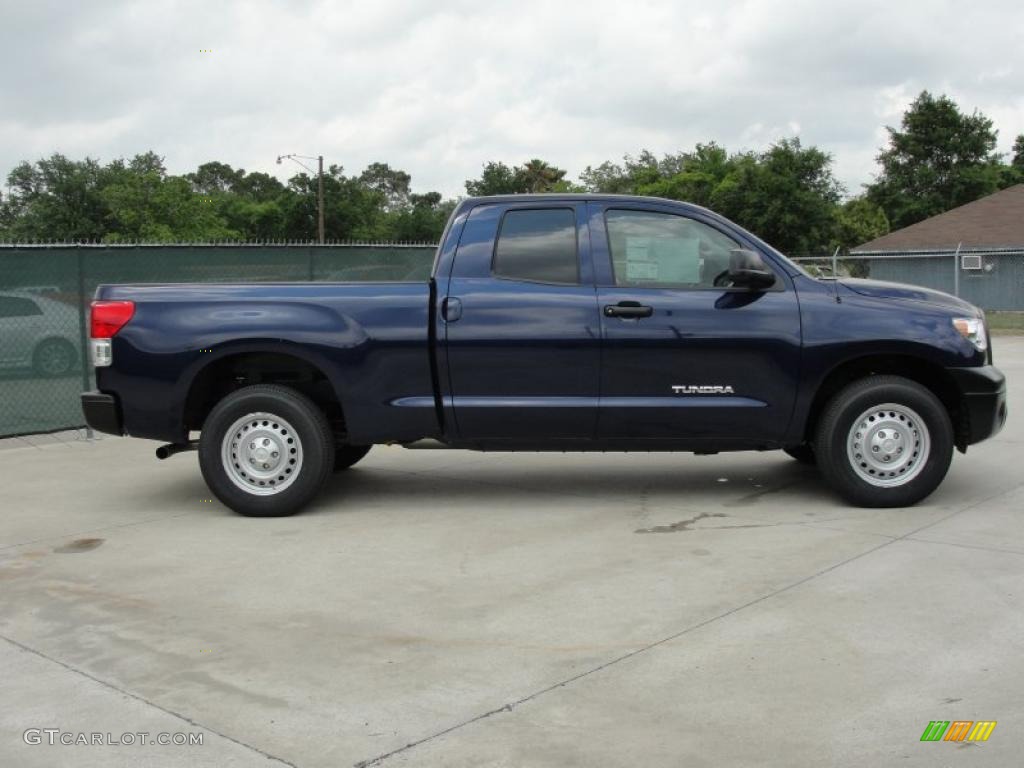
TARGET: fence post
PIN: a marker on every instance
(956, 271)
(83, 344)
(311, 252)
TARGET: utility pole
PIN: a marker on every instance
(319, 186)
(320, 198)
(956, 270)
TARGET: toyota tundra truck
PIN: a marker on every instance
(552, 323)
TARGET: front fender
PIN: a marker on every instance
(840, 333)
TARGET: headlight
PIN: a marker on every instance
(972, 329)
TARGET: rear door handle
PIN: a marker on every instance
(628, 309)
(451, 309)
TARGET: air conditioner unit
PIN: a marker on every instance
(970, 261)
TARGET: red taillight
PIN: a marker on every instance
(109, 317)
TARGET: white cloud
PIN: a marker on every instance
(438, 88)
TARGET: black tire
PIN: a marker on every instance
(54, 357)
(802, 453)
(290, 422)
(922, 426)
(347, 455)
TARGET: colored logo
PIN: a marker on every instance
(958, 730)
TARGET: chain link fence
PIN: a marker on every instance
(827, 266)
(990, 278)
(45, 292)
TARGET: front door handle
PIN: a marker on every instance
(628, 309)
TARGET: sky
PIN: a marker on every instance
(438, 88)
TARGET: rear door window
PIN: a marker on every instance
(537, 245)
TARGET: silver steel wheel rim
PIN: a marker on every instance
(888, 445)
(262, 453)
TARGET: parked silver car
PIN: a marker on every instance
(38, 332)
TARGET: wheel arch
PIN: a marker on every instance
(927, 373)
(254, 365)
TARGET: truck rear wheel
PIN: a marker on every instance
(884, 441)
(266, 450)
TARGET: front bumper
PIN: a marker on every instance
(102, 412)
(983, 395)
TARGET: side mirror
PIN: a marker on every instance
(748, 270)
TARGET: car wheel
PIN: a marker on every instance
(802, 453)
(266, 450)
(54, 357)
(347, 455)
(884, 441)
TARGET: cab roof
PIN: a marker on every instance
(548, 197)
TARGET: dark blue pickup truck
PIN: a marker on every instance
(552, 323)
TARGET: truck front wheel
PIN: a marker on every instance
(884, 441)
(266, 450)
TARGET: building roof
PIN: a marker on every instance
(995, 221)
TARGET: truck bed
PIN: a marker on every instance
(371, 340)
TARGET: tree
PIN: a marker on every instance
(259, 187)
(1013, 173)
(633, 174)
(56, 199)
(147, 205)
(539, 176)
(609, 178)
(786, 195)
(693, 176)
(248, 204)
(352, 210)
(496, 179)
(213, 177)
(392, 185)
(940, 158)
(858, 220)
(533, 176)
(251, 219)
(422, 221)
(137, 200)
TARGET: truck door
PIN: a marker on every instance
(684, 359)
(521, 325)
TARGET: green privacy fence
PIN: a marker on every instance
(45, 292)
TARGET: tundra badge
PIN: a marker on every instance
(702, 389)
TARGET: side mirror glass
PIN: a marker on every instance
(748, 270)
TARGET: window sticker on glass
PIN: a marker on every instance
(678, 261)
(639, 262)
(652, 249)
